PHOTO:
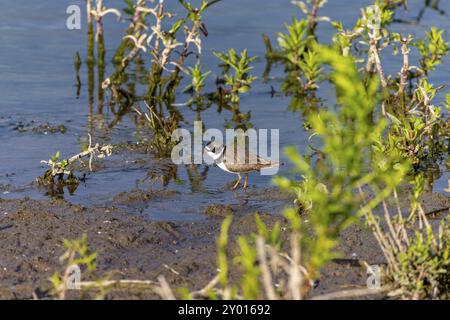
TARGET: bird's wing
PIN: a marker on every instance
(248, 158)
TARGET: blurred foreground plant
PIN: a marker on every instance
(348, 161)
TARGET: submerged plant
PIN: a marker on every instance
(63, 170)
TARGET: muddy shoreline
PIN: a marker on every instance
(129, 246)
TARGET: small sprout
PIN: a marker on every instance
(198, 79)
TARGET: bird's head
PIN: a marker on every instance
(214, 149)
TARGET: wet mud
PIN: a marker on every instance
(130, 246)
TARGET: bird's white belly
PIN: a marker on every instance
(222, 166)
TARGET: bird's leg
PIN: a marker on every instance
(246, 182)
(238, 182)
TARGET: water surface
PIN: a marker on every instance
(38, 86)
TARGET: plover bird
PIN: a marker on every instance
(217, 152)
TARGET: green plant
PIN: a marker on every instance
(198, 80)
(57, 169)
(311, 13)
(353, 161)
(240, 79)
(296, 52)
(349, 142)
(76, 255)
(310, 66)
(362, 157)
(418, 257)
(161, 44)
(63, 169)
(162, 127)
(419, 134)
(268, 267)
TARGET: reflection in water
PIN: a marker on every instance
(163, 173)
(428, 4)
(78, 64)
(195, 177)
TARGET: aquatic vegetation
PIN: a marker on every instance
(311, 10)
(161, 44)
(432, 49)
(296, 52)
(167, 43)
(98, 12)
(162, 128)
(63, 170)
(240, 80)
(418, 128)
(293, 46)
(354, 161)
(327, 190)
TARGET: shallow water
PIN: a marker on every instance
(37, 83)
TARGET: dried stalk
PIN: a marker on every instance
(266, 274)
(346, 294)
(312, 23)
